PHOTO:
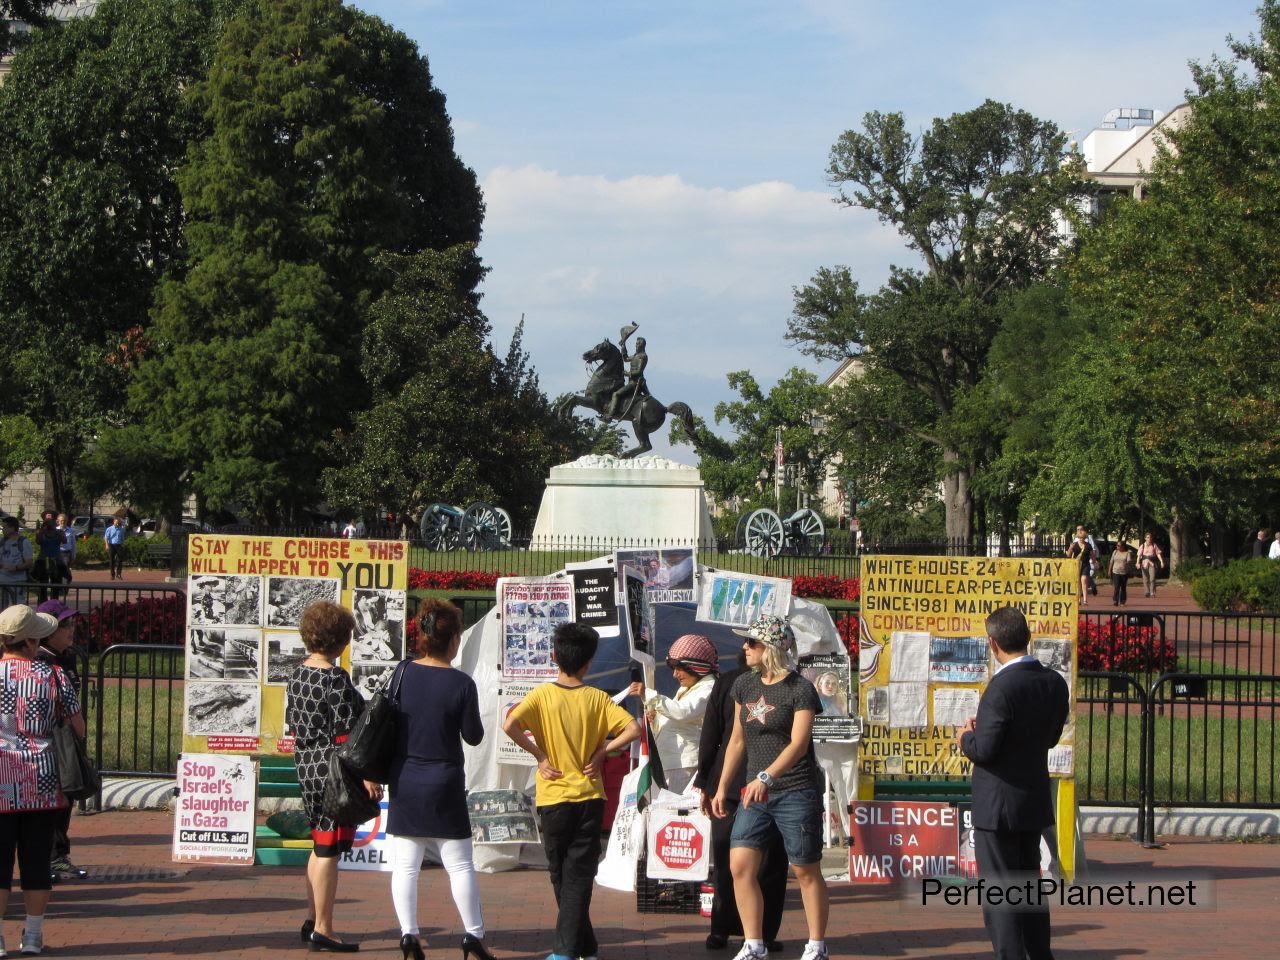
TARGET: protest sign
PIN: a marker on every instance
(502, 816)
(595, 596)
(737, 599)
(668, 573)
(213, 819)
(640, 620)
(245, 599)
(530, 609)
(894, 840)
(679, 843)
(830, 675)
(512, 692)
(923, 654)
(371, 850)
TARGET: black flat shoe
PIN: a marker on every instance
(716, 942)
(411, 948)
(774, 946)
(305, 933)
(474, 947)
(318, 942)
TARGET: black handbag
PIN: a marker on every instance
(77, 776)
(346, 801)
(371, 746)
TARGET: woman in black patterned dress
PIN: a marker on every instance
(322, 707)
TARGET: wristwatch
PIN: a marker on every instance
(763, 777)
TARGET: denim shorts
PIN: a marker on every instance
(798, 816)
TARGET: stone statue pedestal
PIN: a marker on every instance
(598, 501)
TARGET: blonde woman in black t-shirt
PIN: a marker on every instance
(773, 735)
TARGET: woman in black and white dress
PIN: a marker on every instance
(322, 708)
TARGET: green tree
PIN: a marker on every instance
(744, 467)
(978, 197)
(1172, 405)
(92, 124)
(313, 110)
(449, 420)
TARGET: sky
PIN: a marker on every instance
(663, 163)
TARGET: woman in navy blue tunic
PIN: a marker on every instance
(438, 709)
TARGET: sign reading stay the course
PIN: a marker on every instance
(213, 818)
(245, 600)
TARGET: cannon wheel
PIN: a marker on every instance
(439, 528)
(808, 535)
(764, 534)
(485, 527)
(740, 532)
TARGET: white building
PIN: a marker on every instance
(1119, 154)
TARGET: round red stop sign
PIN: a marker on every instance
(678, 845)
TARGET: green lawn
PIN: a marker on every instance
(141, 729)
(1198, 758)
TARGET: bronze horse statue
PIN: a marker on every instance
(645, 413)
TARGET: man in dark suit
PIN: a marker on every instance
(1020, 717)
(717, 727)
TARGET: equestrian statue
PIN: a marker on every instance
(618, 393)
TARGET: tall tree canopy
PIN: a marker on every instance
(1172, 407)
(450, 421)
(312, 113)
(979, 197)
(744, 468)
(92, 126)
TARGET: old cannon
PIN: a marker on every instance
(762, 533)
(480, 526)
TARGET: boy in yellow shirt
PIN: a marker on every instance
(571, 724)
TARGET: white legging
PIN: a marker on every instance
(406, 864)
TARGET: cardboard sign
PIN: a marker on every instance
(893, 841)
(213, 820)
(679, 844)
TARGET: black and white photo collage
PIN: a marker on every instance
(379, 641)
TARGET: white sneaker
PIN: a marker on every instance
(32, 943)
(813, 953)
(746, 953)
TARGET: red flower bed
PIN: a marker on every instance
(847, 626)
(827, 587)
(156, 620)
(453, 579)
(1113, 645)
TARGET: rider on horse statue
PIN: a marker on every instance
(634, 387)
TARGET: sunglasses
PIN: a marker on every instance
(752, 642)
(672, 664)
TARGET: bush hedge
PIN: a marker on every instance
(93, 550)
(1243, 586)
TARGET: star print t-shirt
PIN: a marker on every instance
(767, 711)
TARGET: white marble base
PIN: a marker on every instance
(599, 500)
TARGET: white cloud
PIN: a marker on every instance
(707, 272)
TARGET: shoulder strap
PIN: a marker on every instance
(397, 678)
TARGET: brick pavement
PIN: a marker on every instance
(235, 912)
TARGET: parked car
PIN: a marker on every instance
(149, 527)
(94, 526)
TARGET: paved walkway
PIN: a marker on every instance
(234, 912)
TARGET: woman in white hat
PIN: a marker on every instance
(693, 661)
(773, 736)
(34, 696)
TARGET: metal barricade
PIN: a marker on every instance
(137, 720)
